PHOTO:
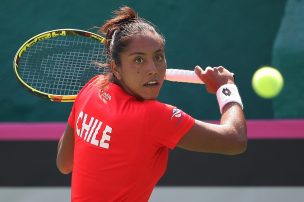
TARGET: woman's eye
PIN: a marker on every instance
(139, 60)
(159, 58)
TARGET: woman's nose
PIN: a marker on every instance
(152, 69)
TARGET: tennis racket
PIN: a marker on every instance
(56, 64)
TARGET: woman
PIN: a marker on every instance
(118, 135)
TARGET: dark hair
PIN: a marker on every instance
(120, 29)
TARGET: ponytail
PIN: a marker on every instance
(123, 15)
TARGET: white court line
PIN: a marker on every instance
(167, 194)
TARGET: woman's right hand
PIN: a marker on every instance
(214, 77)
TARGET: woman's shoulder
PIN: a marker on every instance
(156, 105)
(87, 87)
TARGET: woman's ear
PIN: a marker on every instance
(115, 70)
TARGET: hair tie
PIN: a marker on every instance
(112, 40)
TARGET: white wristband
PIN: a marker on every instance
(228, 93)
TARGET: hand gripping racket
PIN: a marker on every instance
(56, 64)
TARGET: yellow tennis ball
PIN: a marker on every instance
(267, 82)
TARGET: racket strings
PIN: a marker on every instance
(62, 65)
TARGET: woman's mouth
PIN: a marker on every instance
(151, 83)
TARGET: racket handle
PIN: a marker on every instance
(181, 75)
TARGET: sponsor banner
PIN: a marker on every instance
(257, 129)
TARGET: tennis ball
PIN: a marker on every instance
(267, 82)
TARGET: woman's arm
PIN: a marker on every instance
(230, 136)
(65, 152)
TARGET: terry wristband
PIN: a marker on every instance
(228, 93)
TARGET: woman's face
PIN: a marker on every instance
(143, 66)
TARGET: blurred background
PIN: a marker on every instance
(242, 35)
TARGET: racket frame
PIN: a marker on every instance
(42, 36)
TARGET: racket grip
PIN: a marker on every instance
(181, 75)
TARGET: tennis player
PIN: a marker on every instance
(118, 135)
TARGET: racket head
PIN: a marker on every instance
(56, 64)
